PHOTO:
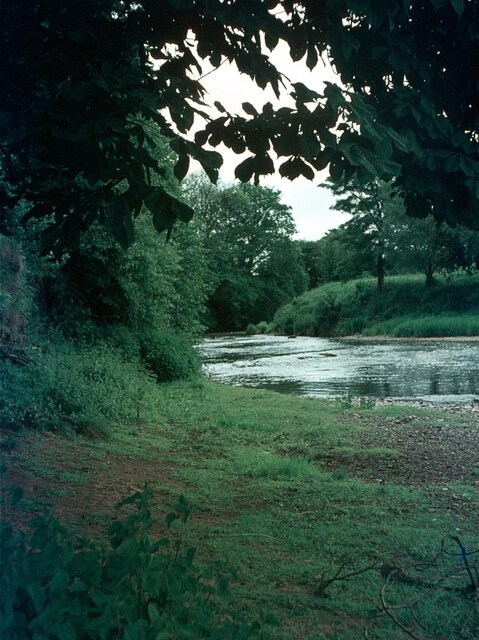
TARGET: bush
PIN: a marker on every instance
(250, 329)
(54, 585)
(170, 356)
(68, 383)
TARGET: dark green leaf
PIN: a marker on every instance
(119, 220)
(222, 587)
(458, 6)
(249, 109)
(244, 171)
(181, 167)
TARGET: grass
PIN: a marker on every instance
(437, 326)
(406, 307)
(267, 508)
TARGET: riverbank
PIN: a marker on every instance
(405, 308)
(289, 495)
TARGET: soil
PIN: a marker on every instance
(442, 460)
(77, 503)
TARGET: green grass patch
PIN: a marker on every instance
(265, 464)
(269, 513)
(406, 307)
(432, 326)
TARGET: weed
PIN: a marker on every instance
(137, 586)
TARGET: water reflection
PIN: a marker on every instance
(440, 370)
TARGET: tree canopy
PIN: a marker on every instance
(254, 266)
(84, 82)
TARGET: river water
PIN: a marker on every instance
(426, 370)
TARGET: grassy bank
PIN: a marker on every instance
(304, 503)
(407, 307)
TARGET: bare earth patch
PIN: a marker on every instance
(58, 482)
(442, 460)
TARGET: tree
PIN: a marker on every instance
(81, 84)
(254, 265)
(345, 253)
(426, 246)
(371, 206)
(310, 256)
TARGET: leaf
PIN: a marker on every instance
(153, 613)
(181, 167)
(190, 554)
(249, 109)
(335, 171)
(170, 518)
(59, 584)
(37, 594)
(304, 93)
(160, 203)
(458, 6)
(16, 495)
(244, 171)
(119, 221)
(222, 587)
(182, 211)
(295, 167)
(469, 166)
(334, 95)
(311, 57)
(182, 508)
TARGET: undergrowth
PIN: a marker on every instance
(448, 308)
(139, 583)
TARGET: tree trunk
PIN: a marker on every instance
(380, 269)
(429, 271)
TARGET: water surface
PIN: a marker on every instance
(432, 370)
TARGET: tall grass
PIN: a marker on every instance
(444, 325)
(450, 307)
(77, 383)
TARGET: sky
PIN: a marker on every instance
(310, 202)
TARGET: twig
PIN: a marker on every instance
(337, 577)
(388, 610)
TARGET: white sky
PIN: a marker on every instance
(309, 201)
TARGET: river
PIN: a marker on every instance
(427, 370)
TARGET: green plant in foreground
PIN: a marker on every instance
(170, 356)
(133, 586)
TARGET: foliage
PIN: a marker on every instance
(138, 585)
(310, 258)
(357, 306)
(254, 266)
(169, 357)
(85, 384)
(16, 300)
(262, 327)
(426, 246)
(380, 238)
(81, 92)
(153, 284)
(371, 206)
(420, 326)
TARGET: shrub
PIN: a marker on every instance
(15, 297)
(264, 327)
(55, 585)
(250, 329)
(75, 384)
(170, 356)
